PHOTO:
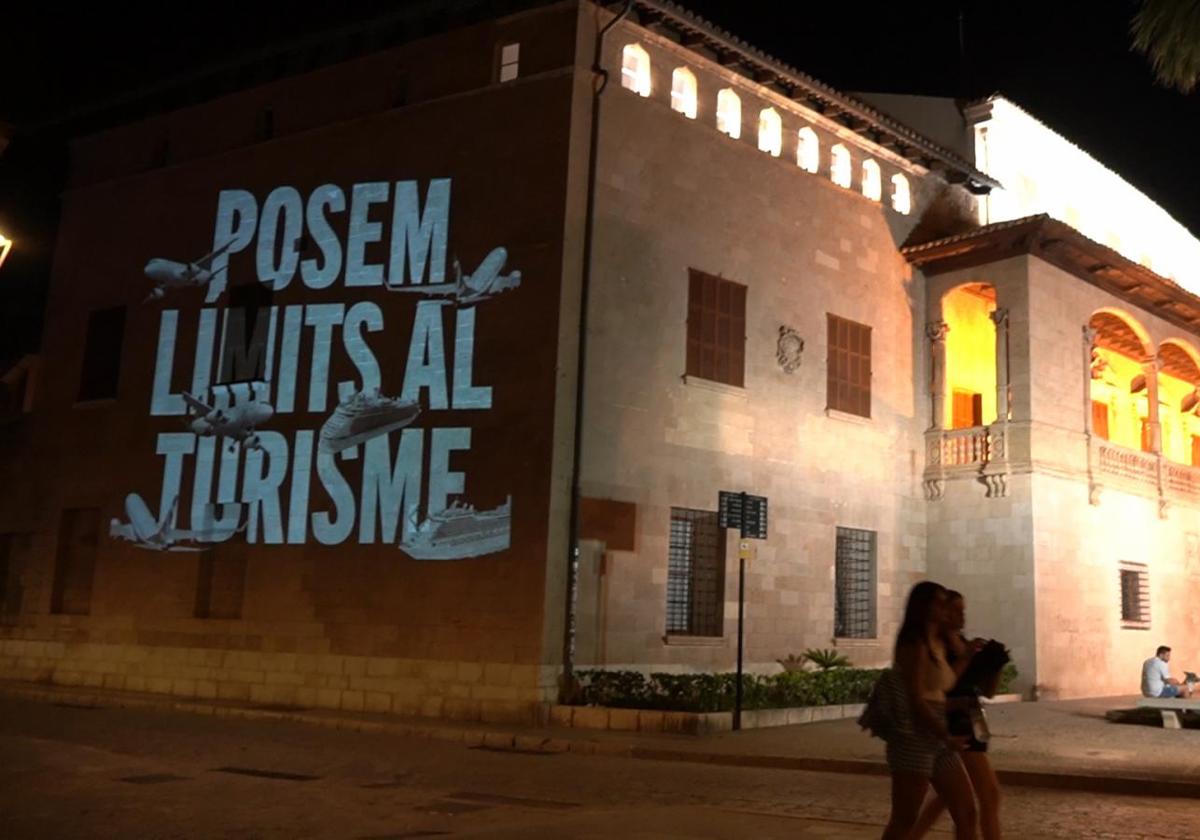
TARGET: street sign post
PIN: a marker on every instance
(749, 515)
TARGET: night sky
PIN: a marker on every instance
(1068, 63)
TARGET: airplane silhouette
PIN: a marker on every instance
(236, 422)
(169, 274)
(486, 282)
(143, 531)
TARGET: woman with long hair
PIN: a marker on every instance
(921, 751)
(959, 717)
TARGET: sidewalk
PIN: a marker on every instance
(1062, 745)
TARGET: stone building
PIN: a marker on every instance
(331, 463)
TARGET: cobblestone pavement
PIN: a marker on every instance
(109, 773)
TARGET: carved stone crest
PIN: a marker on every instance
(788, 349)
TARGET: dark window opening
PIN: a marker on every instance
(266, 123)
(75, 561)
(102, 354)
(716, 329)
(854, 584)
(1135, 595)
(848, 382)
(220, 582)
(247, 331)
(696, 574)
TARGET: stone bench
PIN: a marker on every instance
(1172, 709)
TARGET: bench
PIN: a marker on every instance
(1172, 709)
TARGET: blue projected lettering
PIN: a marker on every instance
(383, 474)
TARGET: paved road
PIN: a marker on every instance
(108, 773)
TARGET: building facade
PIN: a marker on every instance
(304, 428)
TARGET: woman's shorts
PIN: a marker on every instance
(918, 754)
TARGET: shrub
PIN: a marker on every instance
(826, 659)
(715, 692)
(1007, 677)
(792, 662)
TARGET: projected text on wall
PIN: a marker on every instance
(251, 365)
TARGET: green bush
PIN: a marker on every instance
(1007, 677)
(715, 692)
(826, 659)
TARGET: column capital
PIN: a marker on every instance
(999, 316)
(936, 330)
(1089, 334)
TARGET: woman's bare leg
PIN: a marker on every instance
(929, 816)
(952, 784)
(908, 792)
(987, 791)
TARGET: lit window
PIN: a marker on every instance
(770, 132)
(510, 56)
(839, 165)
(729, 113)
(635, 70)
(808, 151)
(872, 182)
(683, 92)
(901, 197)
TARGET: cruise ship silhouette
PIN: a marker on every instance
(364, 415)
(459, 531)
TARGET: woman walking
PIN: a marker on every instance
(920, 750)
(960, 717)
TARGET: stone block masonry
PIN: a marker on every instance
(471, 691)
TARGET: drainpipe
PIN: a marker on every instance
(567, 685)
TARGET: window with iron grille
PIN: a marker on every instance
(848, 383)
(1135, 595)
(854, 584)
(696, 574)
(716, 329)
(102, 354)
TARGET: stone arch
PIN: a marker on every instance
(1179, 400)
(1121, 389)
(1119, 331)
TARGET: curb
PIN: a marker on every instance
(478, 738)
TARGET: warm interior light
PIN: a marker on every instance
(5, 247)
(970, 356)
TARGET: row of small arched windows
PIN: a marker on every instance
(635, 76)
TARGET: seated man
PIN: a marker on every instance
(1157, 680)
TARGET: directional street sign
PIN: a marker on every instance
(752, 522)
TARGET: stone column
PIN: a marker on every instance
(999, 317)
(1089, 348)
(936, 331)
(1154, 428)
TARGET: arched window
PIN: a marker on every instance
(770, 132)
(839, 165)
(872, 181)
(808, 151)
(901, 197)
(729, 113)
(683, 92)
(635, 70)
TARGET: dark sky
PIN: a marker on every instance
(1068, 62)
